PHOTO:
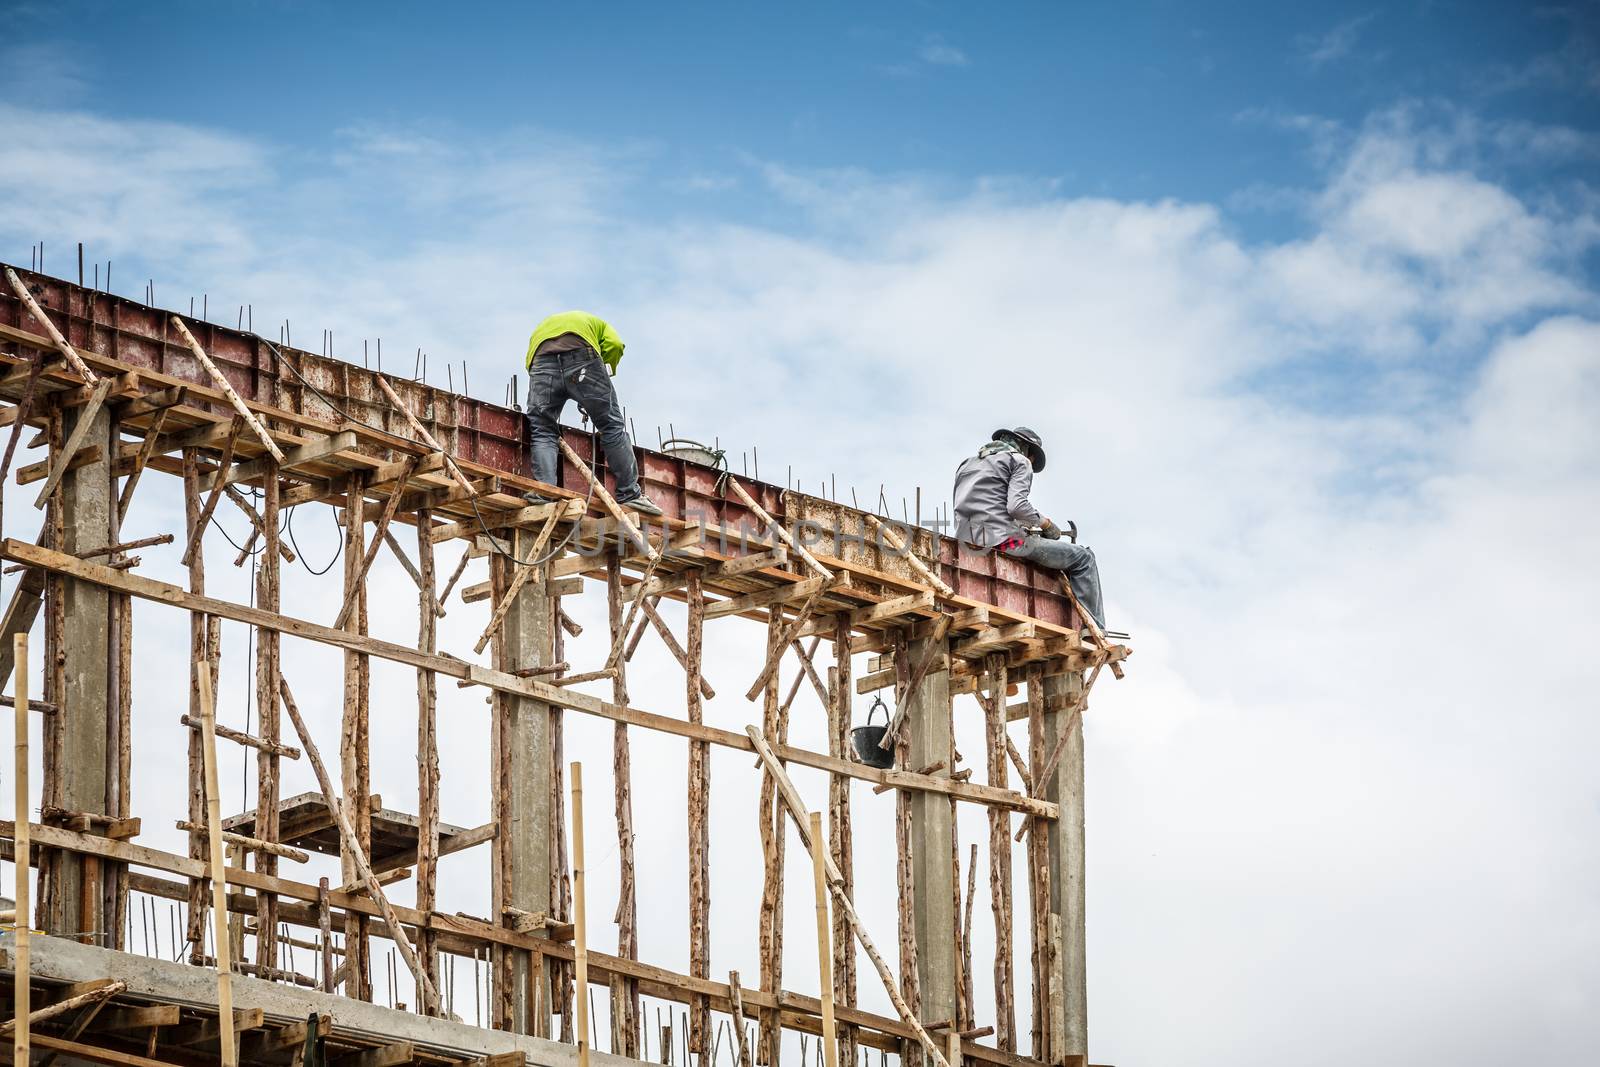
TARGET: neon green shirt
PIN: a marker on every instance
(595, 331)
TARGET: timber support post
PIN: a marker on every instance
(523, 779)
(1069, 1023)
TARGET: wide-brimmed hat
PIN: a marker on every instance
(1029, 440)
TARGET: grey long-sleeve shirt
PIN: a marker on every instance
(991, 496)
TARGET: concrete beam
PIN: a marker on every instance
(76, 902)
(528, 637)
(164, 982)
(1069, 1000)
(932, 852)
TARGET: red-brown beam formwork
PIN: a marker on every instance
(494, 437)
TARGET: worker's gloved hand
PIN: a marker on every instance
(1050, 530)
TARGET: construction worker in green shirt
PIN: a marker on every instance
(573, 355)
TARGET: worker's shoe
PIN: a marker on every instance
(642, 504)
(537, 498)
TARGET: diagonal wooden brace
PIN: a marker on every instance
(919, 670)
(610, 503)
(518, 580)
(71, 354)
(780, 646)
(74, 442)
(216, 494)
(427, 438)
(777, 529)
(228, 391)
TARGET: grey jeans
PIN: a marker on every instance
(579, 375)
(1075, 561)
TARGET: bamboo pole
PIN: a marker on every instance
(71, 354)
(830, 1043)
(579, 924)
(797, 813)
(218, 874)
(22, 982)
(228, 391)
(347, 833)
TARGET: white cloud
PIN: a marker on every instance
(935, 51)
(1342, 487)
(1318, 50)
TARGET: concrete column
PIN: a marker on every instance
(529, 642)
(86, 495)
(1069, 1000)
(928, 722)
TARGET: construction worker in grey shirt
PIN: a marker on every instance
(993, 512)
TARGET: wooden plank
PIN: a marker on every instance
(149, 589)
(400, 1052)
(766, 598)
(139, 1018)
(565, 509)
(298, 456)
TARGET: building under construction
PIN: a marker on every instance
(272, 968)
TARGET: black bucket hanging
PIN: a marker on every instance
(867, 738)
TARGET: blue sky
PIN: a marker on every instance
(1302, 298)
(1140, 101)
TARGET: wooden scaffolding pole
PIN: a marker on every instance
(358, 853)
(830, 1043)
(841, 844)
(1041, 955)
(1000, 859)
(427, 747)
(21, 982)
(267, 758)
(624, 992)
(699, 804)
(580, 919)
(50, 861)
(205, 648)
(560, 880)
(218, 875)
(790, 800)
(354, 737)
(774, 725)
(905, 869)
